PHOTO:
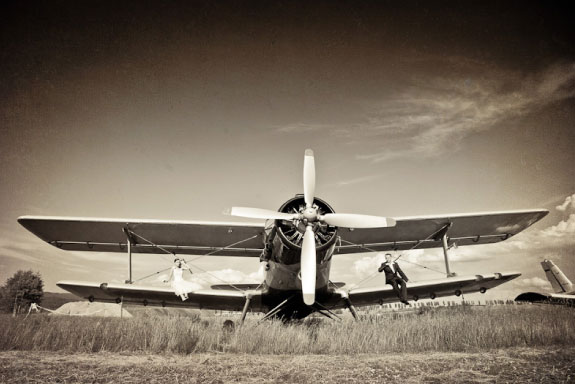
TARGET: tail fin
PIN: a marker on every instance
(558, 280)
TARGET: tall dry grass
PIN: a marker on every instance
(437, 329)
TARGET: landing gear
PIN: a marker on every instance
(325, 311)
(350, 306)
(229, 326)
(277, 308)
(352, 310)
(246, 307)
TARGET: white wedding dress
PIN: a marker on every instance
(180, 286)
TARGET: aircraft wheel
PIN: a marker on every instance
(229, 326)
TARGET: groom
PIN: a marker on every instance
(395, 277)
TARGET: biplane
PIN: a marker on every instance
(564, 291)
(297, 244)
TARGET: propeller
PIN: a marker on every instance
(308, 266)
(309, 216)
(350, 220)
(308, 178)
(258, 213)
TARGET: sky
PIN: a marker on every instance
(181, 110)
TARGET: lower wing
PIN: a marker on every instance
(220, 299)
(422, 290)
(234, 300)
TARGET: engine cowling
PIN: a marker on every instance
(291, 232)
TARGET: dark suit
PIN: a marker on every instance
(395, 279)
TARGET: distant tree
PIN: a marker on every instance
(22, 289)
(3, 305)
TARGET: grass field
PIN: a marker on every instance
(512, 365)
(494, 344)
(440, 329)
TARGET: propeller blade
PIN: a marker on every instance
(308, 266)
(349, 220)
(258, 213)
(308, 178)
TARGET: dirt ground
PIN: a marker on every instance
(517, 365)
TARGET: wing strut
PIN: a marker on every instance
(442, 234)
(130, 260)
(130, 240)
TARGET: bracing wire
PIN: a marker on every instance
(373, 250)
(196, 258)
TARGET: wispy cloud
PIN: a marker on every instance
(435, 116)
(534, 282)
(15, 248)
(357, 180)
(569, 203)
(564, 232)
(301, 127)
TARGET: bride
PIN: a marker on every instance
(180, 286)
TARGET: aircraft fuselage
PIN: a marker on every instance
(283, 260)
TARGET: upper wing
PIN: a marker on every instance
(187, 237)
(423, 290)
(226, 300)
(465, 229)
